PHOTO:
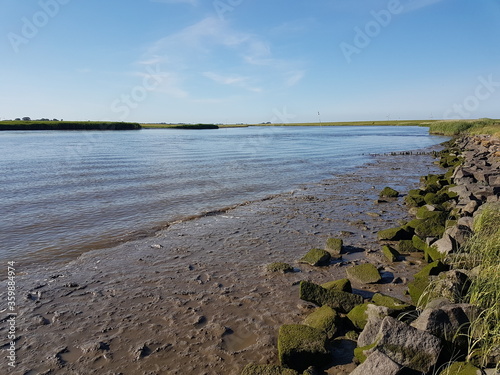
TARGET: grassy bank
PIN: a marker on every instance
(67, 125)
(456, 127)
(482, 254)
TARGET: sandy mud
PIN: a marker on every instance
(196, 298)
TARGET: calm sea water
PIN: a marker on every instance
(63, 193)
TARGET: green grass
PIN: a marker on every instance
(67, 125)
(482, 252)
(456, 127)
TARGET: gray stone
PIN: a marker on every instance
(470, 207)
(466, 221)
(449, 322)
(378, 364)
(408, 346)
(375, 315)
(459, 234)
(445, 245)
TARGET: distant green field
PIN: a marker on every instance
(180, 126)
(68, 125)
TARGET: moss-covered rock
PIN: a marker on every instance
(343, 285)
(364, 273)
(406, 246)
(362, 352)
(340, 301)
(461, 368)
(301, 346)
(325, 319)
(358, 316)
(279, 267)
(438, 216)
(390, 253)
(267, 370)
(429, 228)
(392, 303)
(416, 288)
(414, 201)
(435, 198)
(431, 254)
(419, 243)
(392, 234)
(316, 257)
(334, 246)
(432, 269)
(388, 192)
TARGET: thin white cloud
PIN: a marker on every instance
(294, 77)
(413, 5)
(232, 80)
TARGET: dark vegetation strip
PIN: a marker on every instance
(68, 125)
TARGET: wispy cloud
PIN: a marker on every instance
(232, 80)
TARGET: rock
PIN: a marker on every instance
(358, 316)
(459, 234)
(374, 317)
(430, 228)
(334, 246)
(325, 319)
(390, 253)
(279, 267)
(445, 245)
(392, 234)
(449, 322)
(340, 301)
(391, 303)
(406, 246)
(343, 285)
(300, 346)
(421, 281)
(364, 273)
(466, 221)
(267, 370)
(470, 208)
(378, 364)
(461, 368)
(388, 192)
(452, 285)
(408, 346)
(316, 257)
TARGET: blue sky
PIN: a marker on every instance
(249, 61)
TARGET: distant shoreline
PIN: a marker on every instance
(68, 125)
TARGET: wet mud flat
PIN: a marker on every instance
(196, 298)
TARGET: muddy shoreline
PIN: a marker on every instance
(195, 298)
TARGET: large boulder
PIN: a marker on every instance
(344, 285)
(301, 346)
(364, 274)
(408, 346)
(393, 234)
(378, 364)
(390, 253)
(340, 301)
(445, 245)
(388, 192)
(449, 322)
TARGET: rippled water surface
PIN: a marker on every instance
(66, 192)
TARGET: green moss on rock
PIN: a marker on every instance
(343, 285)
(414, 201)
(390, 253)
(279, 267)
(429, 228)
(267, 370)
(361, 353)
(416, 288)
(388, 192)
(301, 346)
(334, 246)
(364, 273)
(316, 257)
(340, 301)
(358, 316)
(419, 243)
(432, 269)
(392, 303)
(325, 319)
(406, 246)
(392, 234)
(461, 368)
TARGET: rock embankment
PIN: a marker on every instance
(430, 335)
